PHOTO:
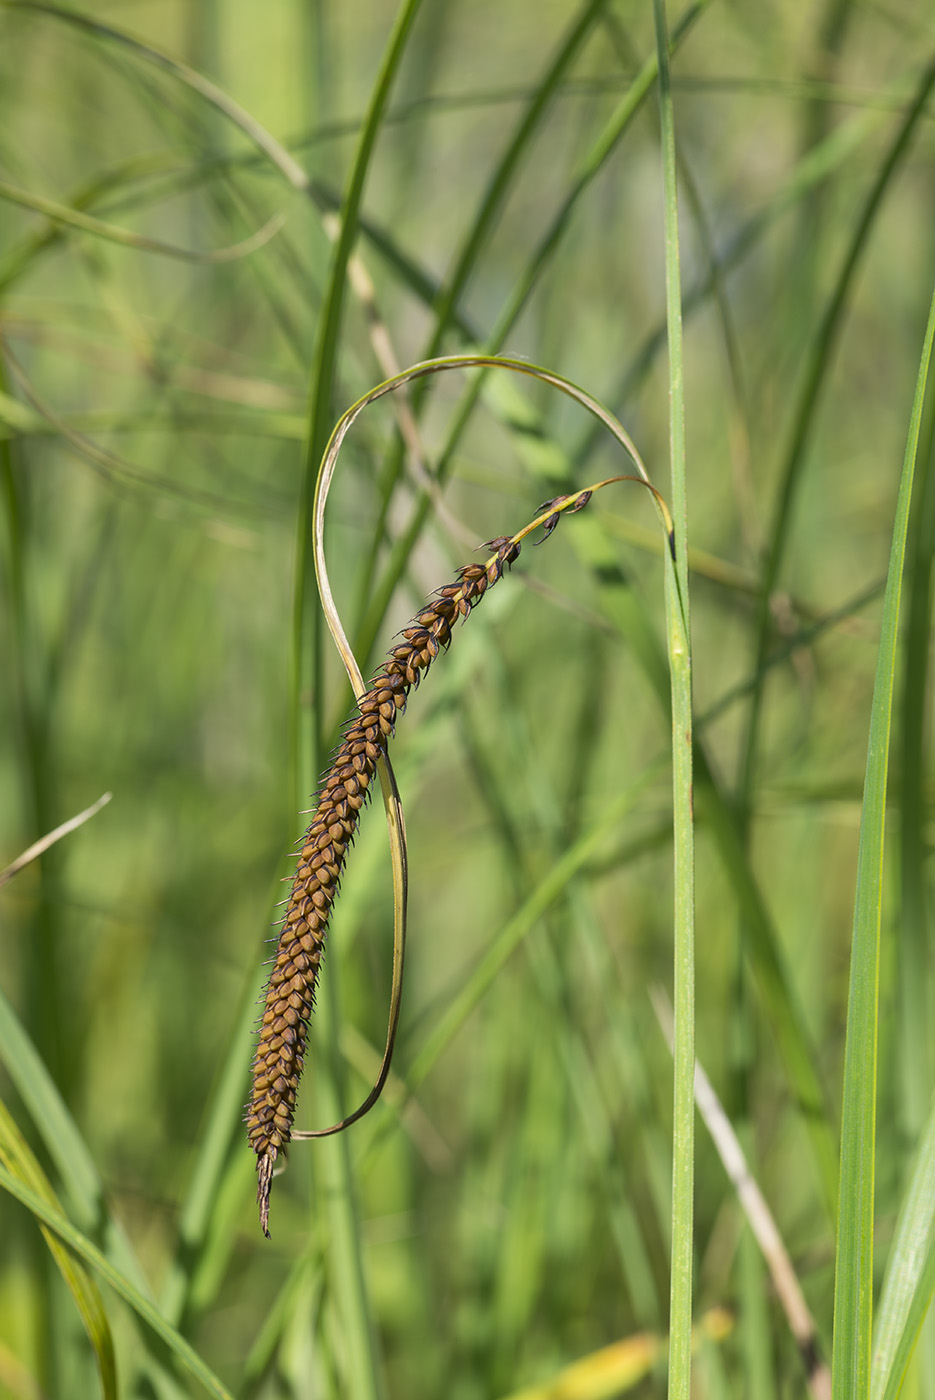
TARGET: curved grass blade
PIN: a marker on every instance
(138, 170)
(853, 1286)
(75, 1166)
(910, 1276)
(293, 980)
(210, 92)
(186, 1356)
(384, 768)
(361, 755)
(21, 1163)
(421, 371)
(260, 138)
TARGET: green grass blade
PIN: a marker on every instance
(47, 1109)
(505, 174)
(626, 611)
(819, 364)
(320, 409)
(347, 1256)
(571, 919)
(607, 141)
(62, 1140)
(508, 938)
(513, 1211)
(853, 1292)
(593, 162)
(337, 1189)
(915, 1039)
(812, 174)
(445, 300)
(223, 1118)
(679, 646)
(774, 982)
(67, 1149)
(82, 1246)
(21, 1163)
(910, 1276)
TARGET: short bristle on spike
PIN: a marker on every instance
(345, 788)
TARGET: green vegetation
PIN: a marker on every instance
(223, 225)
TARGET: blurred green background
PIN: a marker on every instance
(511, 1215)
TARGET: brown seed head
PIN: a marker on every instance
(290, 992)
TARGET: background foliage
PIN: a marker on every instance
(511, 1214)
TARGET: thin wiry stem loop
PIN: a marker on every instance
(360, 757)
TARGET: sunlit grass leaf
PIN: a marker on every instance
(617, 1369)
(21, 1163)
(79, 1244)
(67, 1149)
(59, 1133)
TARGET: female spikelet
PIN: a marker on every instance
(290, 992)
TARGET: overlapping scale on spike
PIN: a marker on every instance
(290, 992)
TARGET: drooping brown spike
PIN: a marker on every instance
(290, 991)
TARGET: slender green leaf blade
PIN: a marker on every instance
(679, 647)
(853, 1293)
(141, 1305)
(910, 1276)
(16, 1154)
